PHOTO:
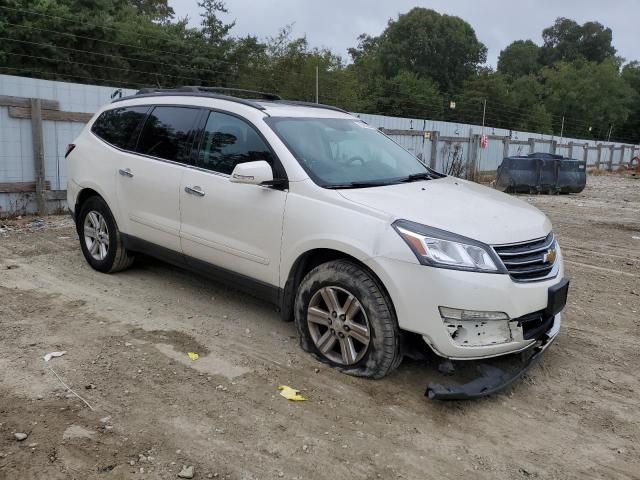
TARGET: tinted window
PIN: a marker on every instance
(119, 127)
(228, 141)
(167, 133)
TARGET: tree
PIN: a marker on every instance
(422, 41)
(588, 94)
(213, 29)
(406, 94)
(566, 41)
(158, 10)
(519, 58)
(631, 76)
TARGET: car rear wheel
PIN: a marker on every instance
(100, 237)
(345, 319)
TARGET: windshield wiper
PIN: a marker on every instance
(373, 183)
(418, 176)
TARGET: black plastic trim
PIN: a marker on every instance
(491, 380)
(251, 286)
(449, 236)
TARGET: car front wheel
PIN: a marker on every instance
(344, 318)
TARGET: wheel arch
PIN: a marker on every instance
(309, 260)
(85, 193)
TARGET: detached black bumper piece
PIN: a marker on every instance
(492, 378)
(498, 373)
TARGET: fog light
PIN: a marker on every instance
(472, 328)
(472, 315)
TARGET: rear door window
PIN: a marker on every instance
(120, 126)
(168, 133)
(228, 141)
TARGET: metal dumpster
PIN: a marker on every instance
(541, 173)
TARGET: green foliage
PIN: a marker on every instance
(414, 68)
(441, 47)
(631, 76)
(566, 41)
(519, 58)
(588, 93)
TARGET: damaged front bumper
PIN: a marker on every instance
(493, 378)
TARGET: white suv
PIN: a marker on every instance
(307, 206)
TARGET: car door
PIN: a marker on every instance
(234, 226)
(149, 180)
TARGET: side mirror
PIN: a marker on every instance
(252, 173)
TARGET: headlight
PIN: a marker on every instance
(439, 248)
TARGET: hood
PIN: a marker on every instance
(458, 206)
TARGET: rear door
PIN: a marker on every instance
(234, 226)
(149, 180)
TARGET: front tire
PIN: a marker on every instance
(345, 319)
(100, 237)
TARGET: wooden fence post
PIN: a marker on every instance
(506, 141)
(434, 149)
(554, 146)
(570, 149)
(599, 156)
(610, 163)
(532, 145)
(474, 145)
(585, 153)
(38, 154)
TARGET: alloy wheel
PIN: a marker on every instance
(96, 235)
(338, 325)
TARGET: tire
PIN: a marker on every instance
(110, 256)
(332, 283)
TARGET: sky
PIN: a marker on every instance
(337, 23)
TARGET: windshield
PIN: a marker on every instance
(347, 153)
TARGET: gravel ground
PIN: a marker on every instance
(153, 410)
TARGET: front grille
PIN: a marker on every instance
(528, 261)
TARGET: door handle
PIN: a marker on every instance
(197, 191)
(126, 172)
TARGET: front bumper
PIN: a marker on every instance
(494, 378)
(417, 292)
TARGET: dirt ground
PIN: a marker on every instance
(576, 415)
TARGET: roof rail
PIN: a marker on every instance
(310, 104)
(225, 93)
(222, 90)
(209, 92)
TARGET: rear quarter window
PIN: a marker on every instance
(120, 126)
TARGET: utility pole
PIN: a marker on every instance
(609, 136)
(562, 129)
(484, 111)
(317, 96)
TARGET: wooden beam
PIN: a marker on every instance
(52, 115)
(56, 194)
(9, 101)
(453, 139)
(38, 154)
(20, 187)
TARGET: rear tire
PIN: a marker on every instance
(100, 238)
(341, 307)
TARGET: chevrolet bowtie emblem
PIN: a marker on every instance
(549, 256)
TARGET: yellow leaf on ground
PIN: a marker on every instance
(290, 393)
(193, 355)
